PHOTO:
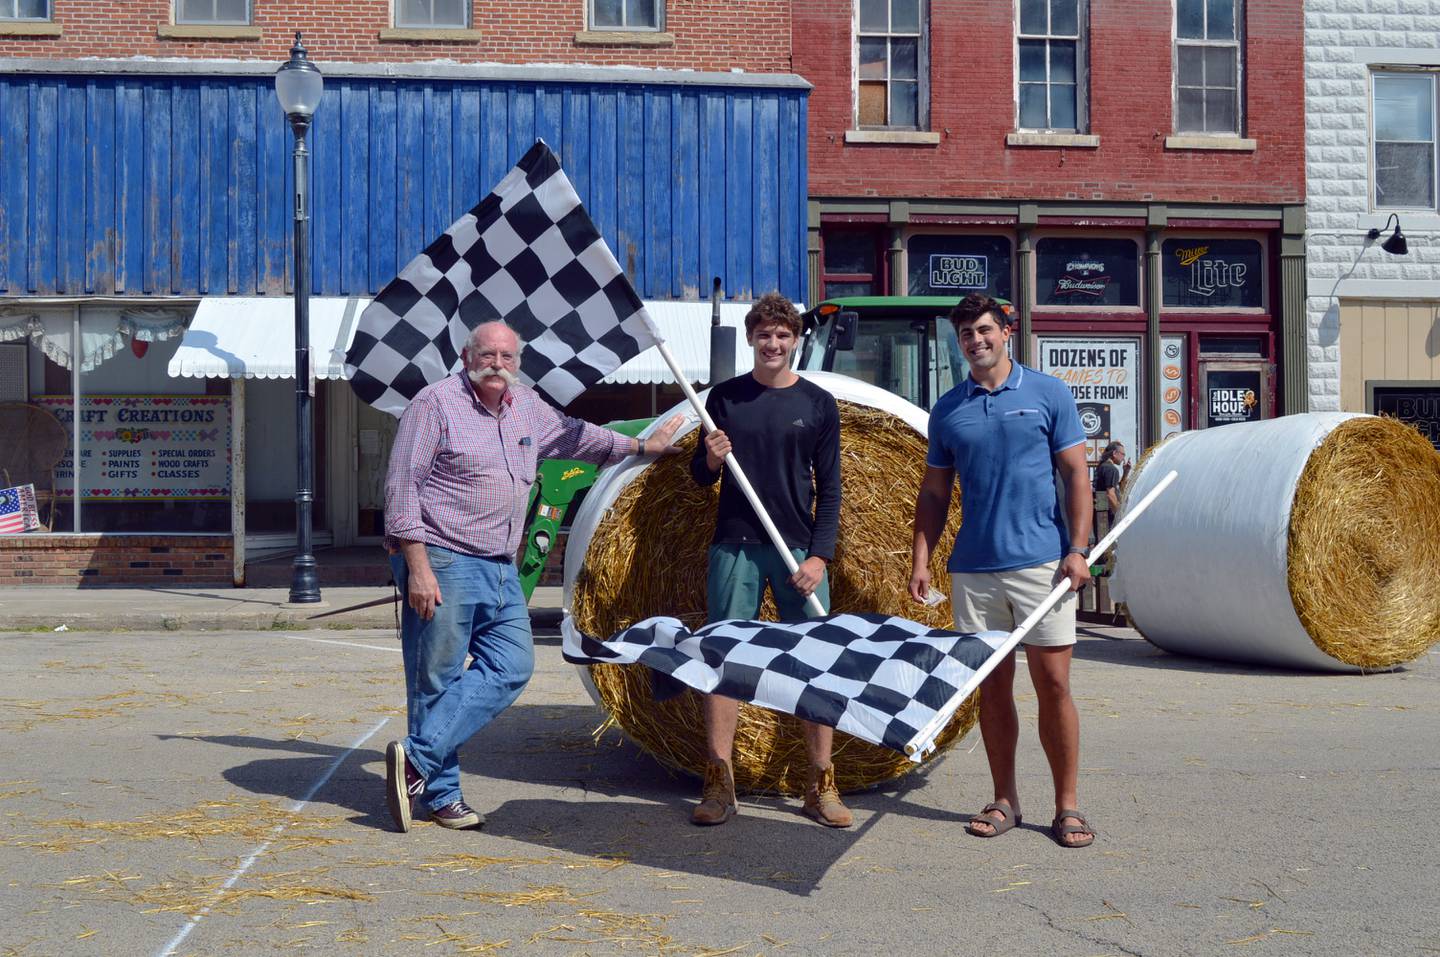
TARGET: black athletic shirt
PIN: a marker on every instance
(781, 438)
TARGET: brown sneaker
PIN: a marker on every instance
(717, 798)
(822, 799)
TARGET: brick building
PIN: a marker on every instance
(146, 214)
(1130, 175)
(1370, 73)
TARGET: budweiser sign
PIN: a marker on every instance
(1068, 285)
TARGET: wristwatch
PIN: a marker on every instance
(1077, 550)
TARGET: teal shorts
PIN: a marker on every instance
(735, 585)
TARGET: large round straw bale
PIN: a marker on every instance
(638, 549)
(1308, 541)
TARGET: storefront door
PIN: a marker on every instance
(375, 434)
(1234, 391)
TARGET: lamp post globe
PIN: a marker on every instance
(298, 86)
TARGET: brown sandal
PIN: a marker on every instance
(1061, 831)
(998, 827)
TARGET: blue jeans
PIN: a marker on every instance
(482, 614)
(735, 584)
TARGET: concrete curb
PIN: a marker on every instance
(268, 618)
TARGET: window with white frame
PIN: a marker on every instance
(627, 14)
(1050, 56)
(213, 12)
(892, 64)
(1208, 65)
(1403, 120)
(431, 14)
(24, 9)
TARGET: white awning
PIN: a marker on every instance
(234, 336)
(685, 327)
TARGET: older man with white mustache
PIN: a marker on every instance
(461, 469)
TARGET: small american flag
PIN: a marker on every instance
(17, 510)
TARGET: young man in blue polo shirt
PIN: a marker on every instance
(1004, 433)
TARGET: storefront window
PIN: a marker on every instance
(958, 264)
(1213, 273)
(1087, 272)
(1417, 403)
(154, 451)
(851, 263)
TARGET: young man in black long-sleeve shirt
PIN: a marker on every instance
(785, 432)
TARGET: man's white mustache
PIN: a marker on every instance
(477, 375)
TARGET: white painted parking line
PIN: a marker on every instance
(352, 644)
(245, 865)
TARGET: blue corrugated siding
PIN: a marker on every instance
(181, 186)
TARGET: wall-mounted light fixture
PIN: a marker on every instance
(1396, 244)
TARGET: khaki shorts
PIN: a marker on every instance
(999, 601)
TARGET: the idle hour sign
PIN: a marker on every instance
(1233, 395)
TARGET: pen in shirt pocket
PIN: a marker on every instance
(525, 440)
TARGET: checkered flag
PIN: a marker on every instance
(880, 678)
(529, 255)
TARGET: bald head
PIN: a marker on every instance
(495, 334)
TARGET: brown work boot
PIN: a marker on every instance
(717, 798)
(822, 799)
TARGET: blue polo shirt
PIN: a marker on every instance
(1000, 445)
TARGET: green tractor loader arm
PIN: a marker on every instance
(557, 483)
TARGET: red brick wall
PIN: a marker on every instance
(115, 560)
(753, 35)
(972, 106)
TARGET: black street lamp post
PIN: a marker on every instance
(298, 85)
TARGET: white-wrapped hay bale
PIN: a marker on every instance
(1309, 541)
(638, 546)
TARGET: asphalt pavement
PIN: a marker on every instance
(221, 793)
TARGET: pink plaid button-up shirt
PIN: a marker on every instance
(460, 476)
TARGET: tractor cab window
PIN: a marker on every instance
(950, 367)
(889, 354)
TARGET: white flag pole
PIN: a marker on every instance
(924, 740)
(737, 473)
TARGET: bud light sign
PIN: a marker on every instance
(958, 272)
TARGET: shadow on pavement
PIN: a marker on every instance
(1139, 653)
(613, 799)
(791, 853)
(292, 777)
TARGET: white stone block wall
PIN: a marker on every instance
(1341, 37)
